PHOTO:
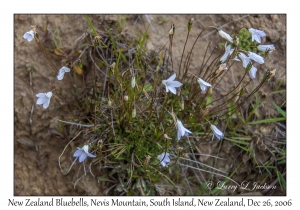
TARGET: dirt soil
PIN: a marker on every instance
(36, 150)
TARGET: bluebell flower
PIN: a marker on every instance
(257, 58)
(245, 59)
(29, 35)
(225, 35)
(228, 51)
(171, 85)
(252, 72)
(164, 158)
(83, 153)
(203, 85)
(265, 48)
(256, 34)
(217, 132)
(181, 130)
(44, 98)
(62, 72)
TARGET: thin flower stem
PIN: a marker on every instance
(187, 37)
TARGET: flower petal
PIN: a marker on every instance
(90, 155)
(259, 59)
(82, 157)
(60, 76)
(172, 89)
(225, 36)
(172, 77)
(46, 103)
(245, 59)
(175, 83)
(65, 69)
(252, 72)
(40, 95)
(29, 36)
(41, 100)
(78, 152)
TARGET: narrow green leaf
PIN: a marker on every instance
(267, 121)
(283, 113)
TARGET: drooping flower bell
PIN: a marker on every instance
(62, 72)
(164, 158)
(217, 132)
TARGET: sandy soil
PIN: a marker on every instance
(36, 150)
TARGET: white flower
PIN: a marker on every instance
(225, 36)
(245, 59)
(256, 34)
(181, 130)
(44, 98)
(259, 59)
(203, 84)
(252, 72)
(171, 85)
(82, 153)
(29, 35)
(164, 158)
(217, 132)
(62, 72)
(228, 51)
(264, 48)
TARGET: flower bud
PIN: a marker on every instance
(133, 81)
(126, 98)
(181, 104)
(133, 113)
(190, 24)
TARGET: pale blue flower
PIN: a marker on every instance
(83, 153)
(228, 51)
(203, 85)
(256, 34)
(164, 158)
(265, 48)
(245, 59)
(44, 98)
(62, 72)
(29, 35)
(217, 132)
(181, 130)
(252, 72)
(225, 35)
(259, 59)
(171, 85)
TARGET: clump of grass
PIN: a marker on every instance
(139, 127)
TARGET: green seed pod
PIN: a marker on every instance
(133, 113)
(133, 81)
(182, 104)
